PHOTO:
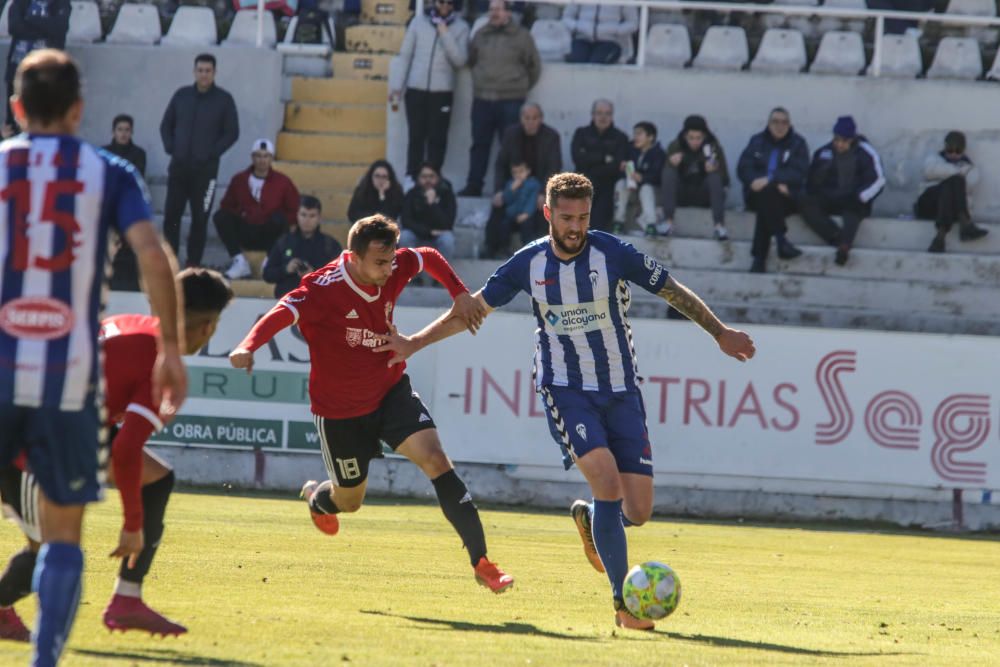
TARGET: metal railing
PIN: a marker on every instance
(878, 15)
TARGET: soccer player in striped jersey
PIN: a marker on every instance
(59, 196)
(585, 363)
(358, 401)
(144, 481)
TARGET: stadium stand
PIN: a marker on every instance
(243, 31)
(136, 24)
(668, 45)
(192, 26)
(723, 48)
(552, 39)
(956, 58)
(840, 52)
(781, 50)
(84, 23)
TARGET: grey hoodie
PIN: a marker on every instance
(429, 60)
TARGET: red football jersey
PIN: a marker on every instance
(338, 319)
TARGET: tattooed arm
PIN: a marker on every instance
(733, 342)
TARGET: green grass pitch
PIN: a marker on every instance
(256, 584)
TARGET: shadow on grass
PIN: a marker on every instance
(729, 642)
(166, 656)
(507, 628)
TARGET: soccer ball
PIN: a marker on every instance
(651, 590)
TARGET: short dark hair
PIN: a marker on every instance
(955, 141)
(779, 110)
(377, 229)
(520, 163)
(123, 118)
(206, 292)
(311, 203)
(429, 165)
(48, 84)
(646, 127)
(204, 58)
(568, 185)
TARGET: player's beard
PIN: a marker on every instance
(563, 243)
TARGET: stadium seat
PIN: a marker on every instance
(972, 7)
(828, 23)
(5, 21)
(840, 52)
(552, 38)
(901, 57)
(668, 45)
(780, 51)
(956, 58)
(191, 26)
(84, 23)
(994, 73)
(136, 24)
(243, 31)
(289, 45)
(724, 47)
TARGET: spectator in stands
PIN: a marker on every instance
(519, 200)
(124, 265)
(33, 24)
(436, 45)
(844, 179)
(536, 144)
(948, 177)
(302, 250)
(641, 180)
(429, 210)
(601, 33)
(599, 151)
(198, 126)
(773, 169)
(378, 191)
(696, 174)
(505, 66)
(259, 206)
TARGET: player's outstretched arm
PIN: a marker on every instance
(466, 308)
(159, 268)
(275, 320)
(735, 343)
(449, 324)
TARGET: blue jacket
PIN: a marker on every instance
(649, 164)
(869, 179)
(523, 200)
(792, 161)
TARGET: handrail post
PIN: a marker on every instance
(640, 57)
(260, 23)
(879, 42)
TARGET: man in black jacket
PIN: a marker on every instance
(429, 211)
(302, 250)
(773, 170)
(33, 24)
(124, 266)
(199, 125)
(599, 152)
(536, 144)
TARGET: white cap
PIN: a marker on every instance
(263, 145)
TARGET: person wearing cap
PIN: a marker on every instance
(949, 175)
(845, 177)
(199, 125)
(773, 169)
(695, 174)
(258, 208)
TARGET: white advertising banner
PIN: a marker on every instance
(871, 408)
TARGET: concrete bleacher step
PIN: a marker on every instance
(361, 66)
(374, 38)
(334, 202)
(321, 117)
(339, 91)
(253, 289)
(337, 230)
(339, 148)
(318, 175)
(886, 233)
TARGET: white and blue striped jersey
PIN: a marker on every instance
(58, 197)
(584, 339)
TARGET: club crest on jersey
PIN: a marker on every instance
(581, 431)
(593, 278)
(36, 318)
(355, 336)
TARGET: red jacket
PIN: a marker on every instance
(279, 194)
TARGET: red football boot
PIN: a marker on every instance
(492, 577)
(11, 626)
(326, 523)
(129, 613)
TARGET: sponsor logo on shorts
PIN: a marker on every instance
(646, 462)
(36, 318)
(581, 431)
(424, 417)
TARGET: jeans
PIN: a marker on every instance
(194, 184)
(489, 119)
(646, 195)
(817, 209)
(599, 52)
(444, 243)
(428, 116)
(771, 208)
(710, 193)
(945, 203)
(237, 235)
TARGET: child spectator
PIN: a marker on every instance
(377, 192)
(300, 251)
(948, 176)
(696, 174)
(643, 168)
(519, 196)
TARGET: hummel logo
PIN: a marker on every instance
(424, 418)
(353, 315)
(77, 483)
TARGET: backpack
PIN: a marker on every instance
(311, 26)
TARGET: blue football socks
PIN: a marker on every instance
(57, 582)
(609, 538)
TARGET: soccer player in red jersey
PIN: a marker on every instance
(144, 481)
(357, 399)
